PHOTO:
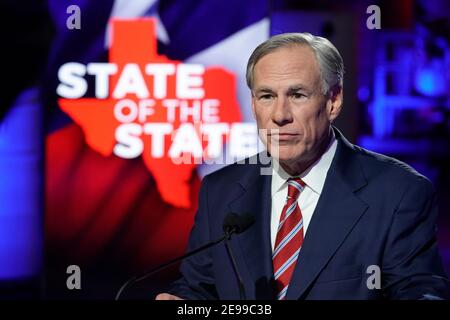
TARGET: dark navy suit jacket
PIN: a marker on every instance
(373, 210)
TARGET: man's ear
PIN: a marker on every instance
(334, 103)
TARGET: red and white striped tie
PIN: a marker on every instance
(289, 239)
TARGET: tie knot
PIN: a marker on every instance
(295, 186)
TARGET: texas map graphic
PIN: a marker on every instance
(146, 105)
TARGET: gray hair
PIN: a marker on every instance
(328, 57)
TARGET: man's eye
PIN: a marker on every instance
(265, 97)
(298, 95)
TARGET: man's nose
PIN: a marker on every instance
(282, 112)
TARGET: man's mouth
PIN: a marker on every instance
(283, 136)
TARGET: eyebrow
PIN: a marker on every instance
(294, 89)
(290, 90)
(264, 90)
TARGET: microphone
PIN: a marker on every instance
(237, 223)
(233, 223)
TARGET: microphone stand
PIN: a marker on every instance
(233, 224)
(161, 267)
(233, 262)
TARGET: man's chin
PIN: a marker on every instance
(283, 153)
(285, 158)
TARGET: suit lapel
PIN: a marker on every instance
(337, 211)
(255, 242)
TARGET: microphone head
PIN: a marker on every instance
(238, 222)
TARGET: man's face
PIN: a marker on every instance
(287, 96)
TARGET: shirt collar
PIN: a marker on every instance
(314, 176)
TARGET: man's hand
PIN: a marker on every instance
(166, 296)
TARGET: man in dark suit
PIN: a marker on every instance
(332, 220)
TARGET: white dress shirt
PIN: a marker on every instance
(314, 177)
